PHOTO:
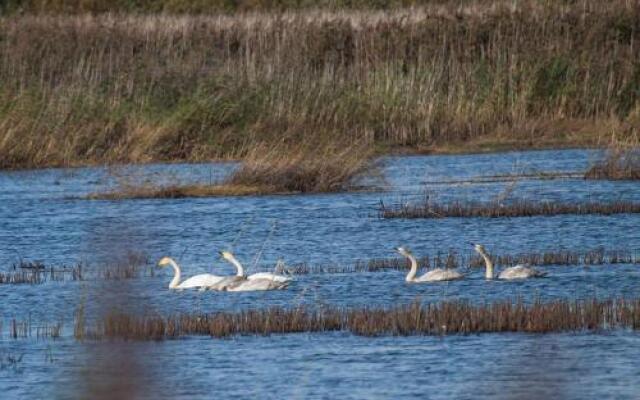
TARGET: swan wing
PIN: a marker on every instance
(440, 274)
(520, 272)
(269, 276)
(226, 282)
(203, 280)
(255, 285)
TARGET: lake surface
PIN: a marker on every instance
(43, 218)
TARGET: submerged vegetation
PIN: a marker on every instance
(104, 88)
(452, 317)
(495, 209)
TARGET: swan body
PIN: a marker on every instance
(520, 272)
(250, 285)
(436, 275)
(276, 277)
(241, 283)
(268, 276)
(517, 272)
(198, 281)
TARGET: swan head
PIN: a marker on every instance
(479, 248)
(164, 261)
(227, 255)
(403, 251)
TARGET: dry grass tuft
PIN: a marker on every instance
(307, 168)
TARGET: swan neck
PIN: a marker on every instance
(176, 275)
(236, 263)
(411, 276)
(488, 264)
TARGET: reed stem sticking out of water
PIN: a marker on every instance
(517, 208)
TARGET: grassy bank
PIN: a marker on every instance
(82, 89)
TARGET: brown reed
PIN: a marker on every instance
(620, 163)
(454, 317)
(20, 329)
(34, 273)
(313, 167)
(102, 88)
(516, 208)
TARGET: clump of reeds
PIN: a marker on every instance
(618, 164)
(454, 317)
(321, 166)
(515, 208)
(136, 88)
(308, 168)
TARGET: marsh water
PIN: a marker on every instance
(44, 218)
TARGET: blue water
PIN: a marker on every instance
(43, 218)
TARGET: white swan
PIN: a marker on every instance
(517, 272)
(240, 283)
(277, 277)
(198, 281)
(435, 275)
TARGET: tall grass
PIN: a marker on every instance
(134, 88)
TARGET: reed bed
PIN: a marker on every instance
(21, 329)
(453, 259)
(515, 208)
(445, 318)
(105, 88)
(35, 273)
(314, 167)
(619, 164)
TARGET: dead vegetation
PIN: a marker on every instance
(499, 209)
(314, 167)
(620, 163)
(445, 318)
(116, 88)
(34, 273)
